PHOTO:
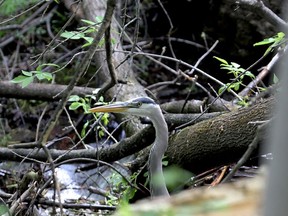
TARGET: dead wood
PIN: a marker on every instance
(37, 91)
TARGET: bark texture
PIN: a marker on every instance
(37, 91)
(217, 141)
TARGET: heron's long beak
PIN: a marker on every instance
(117, 107)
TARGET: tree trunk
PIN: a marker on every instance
(131, 88)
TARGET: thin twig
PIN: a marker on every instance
(203, 56)
(219, 96)
(35, 22)
(110, 65)
(56, 36)
(150, 55)
(169, 32)
(180, 40)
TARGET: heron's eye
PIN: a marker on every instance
(138, 103)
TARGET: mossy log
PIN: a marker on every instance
(217, 141)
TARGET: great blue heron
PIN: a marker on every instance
(146, 107)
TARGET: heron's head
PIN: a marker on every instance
(142, 106)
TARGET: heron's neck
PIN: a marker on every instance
(161, 135)
(157, 181)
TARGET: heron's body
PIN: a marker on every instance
(146, 107)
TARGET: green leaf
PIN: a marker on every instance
(101, 133)
(74, 98)
(88, 22)
(277, 38)
(88, 39)
(241, 70)
(74, 35)
(86, 107)
(83, 131)
(83, 28)
(165, 163)
(269, 49)
(221, 60)
(236, 86)
(89, 30)
(261, 89)
(129, 193)
(43, 75)
(101, 98)
(228, 67)
(39, 76)
(75, 105)
(18, 79)
(113, 41)
(101, 43)
(47, 75)
(105, 119)
(249, 74)
(86, 45)
(23, 80)
(265, 41)
(26, 73)
(39, 68)
(274, 41)
(243, 103)
(27, 81)
(235, 65)
(221, 89)
(281, 35)
(99, 19)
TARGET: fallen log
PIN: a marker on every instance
(219, 140)
(207, 144)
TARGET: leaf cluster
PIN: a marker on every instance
(84, 31)
(27, 77)
(85, 104)
(274, 42)
(237, 71)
